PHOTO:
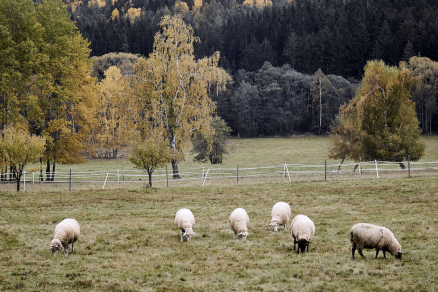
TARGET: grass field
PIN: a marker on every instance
(130, 243)
(259, 160)
(254, 152)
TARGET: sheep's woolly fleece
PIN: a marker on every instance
(185, 220)
(367, 236)
(280, 215)
(303, 230)
(239, 221)
(66, 232)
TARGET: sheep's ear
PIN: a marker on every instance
(270, 224)
(195, 234)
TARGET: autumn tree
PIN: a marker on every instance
(344, 133)
(212, 148)
(117, 116)
(318, 89)
(64, 110)
(174, 86)
(19, 58)
(45, 84)
(381, 117)
(18, 148)
(424, 93)
(124, 61)
(149, 152)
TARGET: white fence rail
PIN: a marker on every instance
(287, 172)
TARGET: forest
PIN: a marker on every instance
(272, 48)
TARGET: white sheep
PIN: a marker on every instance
(364, 235)
(185, 220)
(303, 230)
(280, 215)
(239, 221)
(66, 232)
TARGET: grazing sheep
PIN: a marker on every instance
(239, 220)
(66, 232)
(303, 230)
(185, 220)
(364, 235)
(280, 215)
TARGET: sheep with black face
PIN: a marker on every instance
(303, 230)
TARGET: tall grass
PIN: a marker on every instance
(130, 243)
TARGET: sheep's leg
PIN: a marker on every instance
(72, 247)
(377, 252)
(182, 239)
(361, 254)
(234, 234)
(384, 254)
(307, 247)
(66, 249)
(353, 250)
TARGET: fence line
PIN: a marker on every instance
(282, 172)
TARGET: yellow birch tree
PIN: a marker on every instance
(174, 87)
(118, 113)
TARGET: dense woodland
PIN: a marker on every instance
(272, 49)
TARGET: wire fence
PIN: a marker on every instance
(217, 175)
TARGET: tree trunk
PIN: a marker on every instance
(48, 170)
(18, 176)
(175, 170)
(150, 179)
(339, 168)
(402, 166)
(53, 171)
(357, 164)
(41, 178)
(3, 174)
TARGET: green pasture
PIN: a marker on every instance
(130, 243)
(250, 152)
(260, 160)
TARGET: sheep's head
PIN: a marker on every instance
(55, 246)
(302, 246)
(399, 254)
(274, 224)
(188, 234)
(243, 235)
